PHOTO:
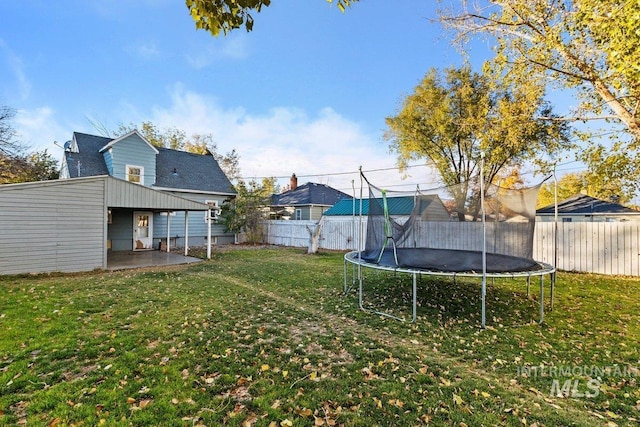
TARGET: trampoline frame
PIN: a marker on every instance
(359, 264)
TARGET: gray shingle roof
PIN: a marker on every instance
(309, 194)
(582, 204)
(193, 171)
(91, 161)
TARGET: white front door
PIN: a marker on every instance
(142, 230)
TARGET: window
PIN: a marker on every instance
(566, 219)
(135, 174)
(215, 210)
(298, 214)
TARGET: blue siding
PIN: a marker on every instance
(197, 224)
(133, 151)
(108, 160)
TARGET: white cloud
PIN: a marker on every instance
(324, 147)
(145, 50)
(283, 140)
(16, 68)
(234, 46)
(38, 129)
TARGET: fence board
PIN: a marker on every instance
(594, 247)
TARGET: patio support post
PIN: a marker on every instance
(168, 231)
(186, 233)
(209, 234)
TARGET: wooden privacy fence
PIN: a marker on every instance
(591, 247)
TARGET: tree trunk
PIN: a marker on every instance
(314, 237)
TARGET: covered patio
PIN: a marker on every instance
(122, 260)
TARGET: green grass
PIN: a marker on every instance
(266, 337)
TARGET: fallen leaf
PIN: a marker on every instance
(457, 399)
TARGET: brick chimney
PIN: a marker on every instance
(293, 182)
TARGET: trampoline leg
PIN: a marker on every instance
(413, 319)
(541, 299)
(344, 289)
(360, 290)
(528, 286)
(553, 285)
(484, 297)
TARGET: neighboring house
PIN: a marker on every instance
(432, 207)
(582, 208)
(132, 158)
(305, 202)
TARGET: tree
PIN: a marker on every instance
(611, 173)
(569, 185)
(177, 139)
(449, 120)
(226, 15)
(590, 45)
(16, 164)
(41, 166)
(608, 181)
(8, 144)
(250, 207)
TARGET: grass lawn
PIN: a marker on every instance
(267, 338)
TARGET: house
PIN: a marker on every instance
(304, 202)
(583, 208)
(132, 158)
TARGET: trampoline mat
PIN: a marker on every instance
(450, 260)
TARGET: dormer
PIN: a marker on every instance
(131, 157)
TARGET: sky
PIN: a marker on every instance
(306, 92)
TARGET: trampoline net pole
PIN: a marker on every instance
(484, 241)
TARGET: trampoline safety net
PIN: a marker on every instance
(443, 230)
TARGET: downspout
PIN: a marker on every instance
(209, 234)
(186, 233)
(105, 227)
(168, 232)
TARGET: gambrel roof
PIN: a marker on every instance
(175, 170)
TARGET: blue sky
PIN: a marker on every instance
(307, 91)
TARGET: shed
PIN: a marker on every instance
(63, 225)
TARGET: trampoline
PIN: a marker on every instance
(470, 230)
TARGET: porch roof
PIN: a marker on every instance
(124, 194)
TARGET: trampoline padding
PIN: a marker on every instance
(449, 260)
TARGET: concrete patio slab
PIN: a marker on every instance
(122, 260)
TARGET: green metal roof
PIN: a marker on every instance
(396, 205)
